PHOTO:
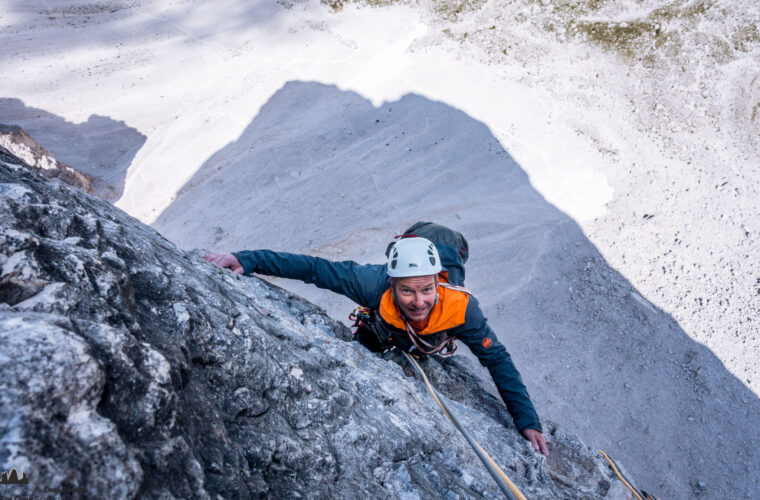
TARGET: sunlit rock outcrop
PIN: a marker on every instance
(133, 369)
(16, 141)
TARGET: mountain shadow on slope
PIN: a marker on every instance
(322, 171)
(104, 147)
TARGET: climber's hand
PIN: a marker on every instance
(537, 440)
(226, 260)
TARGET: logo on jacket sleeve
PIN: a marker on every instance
(487, 343)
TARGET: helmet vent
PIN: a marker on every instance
(431, 255)
(413, 257)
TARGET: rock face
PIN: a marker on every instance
(133, 369)
(16, 141)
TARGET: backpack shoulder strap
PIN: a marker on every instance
(455, 287)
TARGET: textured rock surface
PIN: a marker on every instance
(133, 369)
(16, 141)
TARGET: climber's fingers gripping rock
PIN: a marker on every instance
(225, 260)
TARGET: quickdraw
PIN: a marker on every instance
(360, 316)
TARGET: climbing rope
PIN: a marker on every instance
(640, 495)
(445, 348)
(507, 487)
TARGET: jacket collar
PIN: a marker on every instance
(448, 312)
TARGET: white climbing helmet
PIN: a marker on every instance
(413, 257)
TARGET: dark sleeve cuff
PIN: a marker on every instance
(529, 424)
(247, 260)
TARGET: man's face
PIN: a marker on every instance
(415, 296)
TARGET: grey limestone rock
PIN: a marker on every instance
(17, 142)
(132, 369)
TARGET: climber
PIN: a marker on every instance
(413, 307)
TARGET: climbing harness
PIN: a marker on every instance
(639, 494)
(445, 348)
(507, 487)
(363, 318)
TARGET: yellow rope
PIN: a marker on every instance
(614, 468)
(494, 469)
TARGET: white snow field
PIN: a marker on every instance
(602, 157)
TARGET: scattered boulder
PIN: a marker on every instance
(134, 369)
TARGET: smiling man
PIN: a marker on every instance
(416, 298)
(414, 303)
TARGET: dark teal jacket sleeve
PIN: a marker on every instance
(364, 284)
(481, 340)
